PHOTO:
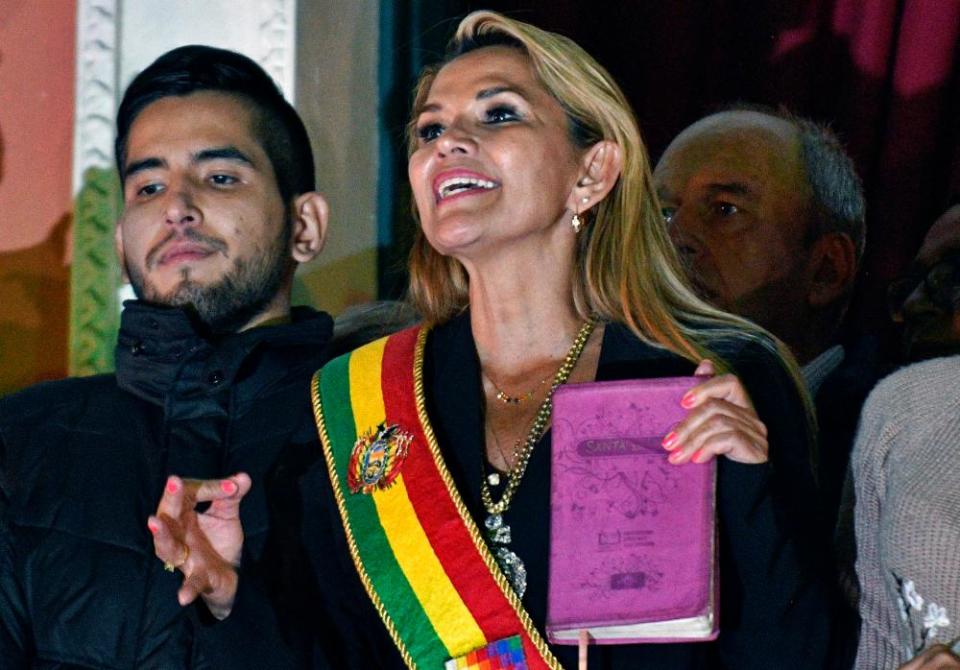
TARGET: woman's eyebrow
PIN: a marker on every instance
(482, 94)
(496, 90)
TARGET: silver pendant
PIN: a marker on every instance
(497, 530)
(511, 565)
(513, 569)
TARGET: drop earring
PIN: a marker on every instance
(577, 221)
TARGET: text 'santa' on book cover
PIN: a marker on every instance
(632, 537)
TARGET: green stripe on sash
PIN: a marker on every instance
(397, 597)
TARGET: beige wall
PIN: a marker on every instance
(336, 92)
(36, 133)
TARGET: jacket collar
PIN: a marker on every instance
(161, 353)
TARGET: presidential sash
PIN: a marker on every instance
(419, 554)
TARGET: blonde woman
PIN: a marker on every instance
(541, 258)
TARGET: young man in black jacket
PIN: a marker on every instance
(212, 375)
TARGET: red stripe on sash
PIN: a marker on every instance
(448, 535)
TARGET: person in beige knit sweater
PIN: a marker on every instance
(906, 469)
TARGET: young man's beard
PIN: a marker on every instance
(230, 303)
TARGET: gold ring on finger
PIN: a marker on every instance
(186, 555)
(170, 567)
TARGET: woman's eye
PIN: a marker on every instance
(223, 180)
(429, 132)
(501, 114)
(667, 213)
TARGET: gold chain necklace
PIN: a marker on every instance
(508, 399)
(494, 478)
(523, 451)
(498, 531)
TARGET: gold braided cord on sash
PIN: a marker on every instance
(351, 542)
(471, 526)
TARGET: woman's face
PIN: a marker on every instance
(494, 164)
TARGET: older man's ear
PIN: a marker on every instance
(833, 268)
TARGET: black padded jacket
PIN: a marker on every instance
(83, 462)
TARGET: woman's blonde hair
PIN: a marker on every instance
(627, 269)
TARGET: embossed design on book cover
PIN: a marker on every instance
(623, 546)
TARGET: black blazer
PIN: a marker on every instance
(774, 604)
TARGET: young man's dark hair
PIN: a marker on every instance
(196, 68)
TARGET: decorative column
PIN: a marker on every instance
(94, 273)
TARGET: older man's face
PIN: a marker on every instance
(733, 190)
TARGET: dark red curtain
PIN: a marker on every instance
(883, 73)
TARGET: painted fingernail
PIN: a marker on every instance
(687, 401)
(153, 527)
(670, 440)
(171, 486)
(228, 486)
(675, 456)
(697, 456)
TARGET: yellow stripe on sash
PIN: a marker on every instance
(447, 612)
(451, 619)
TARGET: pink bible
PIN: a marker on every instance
(632, 537)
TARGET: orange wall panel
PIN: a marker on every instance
(37, 55)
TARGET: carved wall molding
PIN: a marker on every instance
(94, 273)
(96, 93)
(278, 34)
